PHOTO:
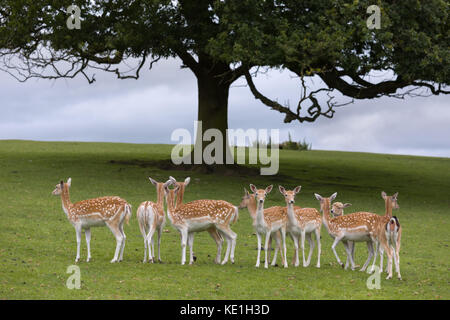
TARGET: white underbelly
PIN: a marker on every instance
(91, 222)
(357, 236)
(197, 226)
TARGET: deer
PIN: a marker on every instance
(109, 211)
(200, 215)
(393, 232)
(302, 222)
(151, 218)
(249, 202)
(212, 231)
(353, 227)
(267, 223)
(384, 237)
(337, 209)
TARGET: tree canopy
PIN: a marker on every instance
(228, 39)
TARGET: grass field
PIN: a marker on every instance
(37, 243)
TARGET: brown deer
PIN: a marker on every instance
(200, 215)
(353, 227)
(212, 231)
(109, 211)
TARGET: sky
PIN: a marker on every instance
(149, 109)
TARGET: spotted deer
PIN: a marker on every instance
(353, 227)
(151, 218)
(200, 215)
(212, 231)
(302, 222)
(109, 211)
(249, 202)
(337, 209)
(267, 223)
(384, 237)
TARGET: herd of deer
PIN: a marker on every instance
(216, 216)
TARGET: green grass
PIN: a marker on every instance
(37, 243)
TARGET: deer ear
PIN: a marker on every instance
(347, 205)
(186, 181)
(69, 182)
(246, 192)
(395, 196)
(153, 181)
(297, 189)
(173, 179)
(333, 196)
(167, 184)
(318, 196)
(253, 188)
(383, 195)
(269, 188)
(282, 190)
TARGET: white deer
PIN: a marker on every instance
(109, 211)
(302, 222)
(151, 218)
(267, 223)
(384, 237)
(249, 202)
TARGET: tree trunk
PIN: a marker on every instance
(212, 114)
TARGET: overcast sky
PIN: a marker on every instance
(164, 99)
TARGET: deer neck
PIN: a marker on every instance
(290, 213)
(170, 207)
(252, 208)
(260, 213)
(180, 196)
(388, 206)
(65, 200)
(160, 199)
(326, 216)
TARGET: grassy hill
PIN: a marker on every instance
(38, 243)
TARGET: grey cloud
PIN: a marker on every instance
(165, 98)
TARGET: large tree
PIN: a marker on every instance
(221, 41)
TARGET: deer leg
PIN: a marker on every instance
(283, 254)
(258, 236)
(219, 241)
(124, 238)
(231, 243)
(160, 230)
(191, 245)
(297, 261)
(311, 248)
(372, 269)
(118, 235)
(319, 249)
(266, 245)
(370, 250)
(303, 247)
(78, 233)
(87, 233)
(151, 248)
(333, 247)
(184, 237)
